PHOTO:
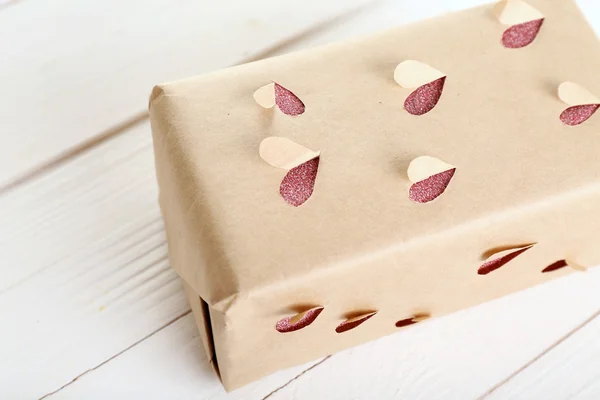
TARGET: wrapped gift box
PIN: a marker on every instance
(321, 237)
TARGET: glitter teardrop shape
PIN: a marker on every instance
(521, 35)
(578, 114)
(555, 266)
(298, 184)
(412, 320)
(287, 101)
(425, 97)
(429, 189)
(405, 322)
(496, 263)
(298, 321)
(353, 322)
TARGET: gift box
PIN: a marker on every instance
(325, 198)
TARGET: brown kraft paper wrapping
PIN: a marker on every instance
(359, 244)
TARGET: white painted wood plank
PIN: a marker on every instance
(71, 69)
(383, 15)
(104, 200)
(84, 272)
(169, 365)
(569, 371)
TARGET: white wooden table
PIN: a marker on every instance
(88, 304)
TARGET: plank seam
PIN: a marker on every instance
(539, 356)
(118, 354)
(138, 118)
(296, 377)
(74, 152)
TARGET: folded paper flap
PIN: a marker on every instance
(513, 12)
(506, 157)
(574, 94)
(157, 91)
(202, 317)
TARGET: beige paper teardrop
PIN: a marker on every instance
(497, 258)
(423, 167)
(412, 74)
(506, 251)
(360, 317)
(421, 317)
(416, 318)
(574, 94)
(284, 153)
(576, 266)
(352, 323)
(514, 12)
(265, 96)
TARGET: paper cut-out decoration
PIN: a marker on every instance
(269, 95)
(525, 22)
(554, 266)
(284, 153)
(430, 177)
(298, 184)
(500, 257)
(412, 320)
(563, 263)
(298, 321)
(265, 95)
(302, 165)
(582, 104)
(353, 322)
(429, 82)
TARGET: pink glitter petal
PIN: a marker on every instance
(351, 324)
(405, 322)
(284, 325)
(425, 97)
(554, 266)
(496, 263)
(287, 101)
(430, 188)
(521, 35)
(577, 114)
(297, 185)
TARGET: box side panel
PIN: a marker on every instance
(437, 275)
(497, 121)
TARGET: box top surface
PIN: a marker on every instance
(497, 121)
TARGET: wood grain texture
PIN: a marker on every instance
(380, 16)
(175, 367)
(84, 274)
(89, 66)
(570, 370)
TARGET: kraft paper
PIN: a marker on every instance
(360, 243)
